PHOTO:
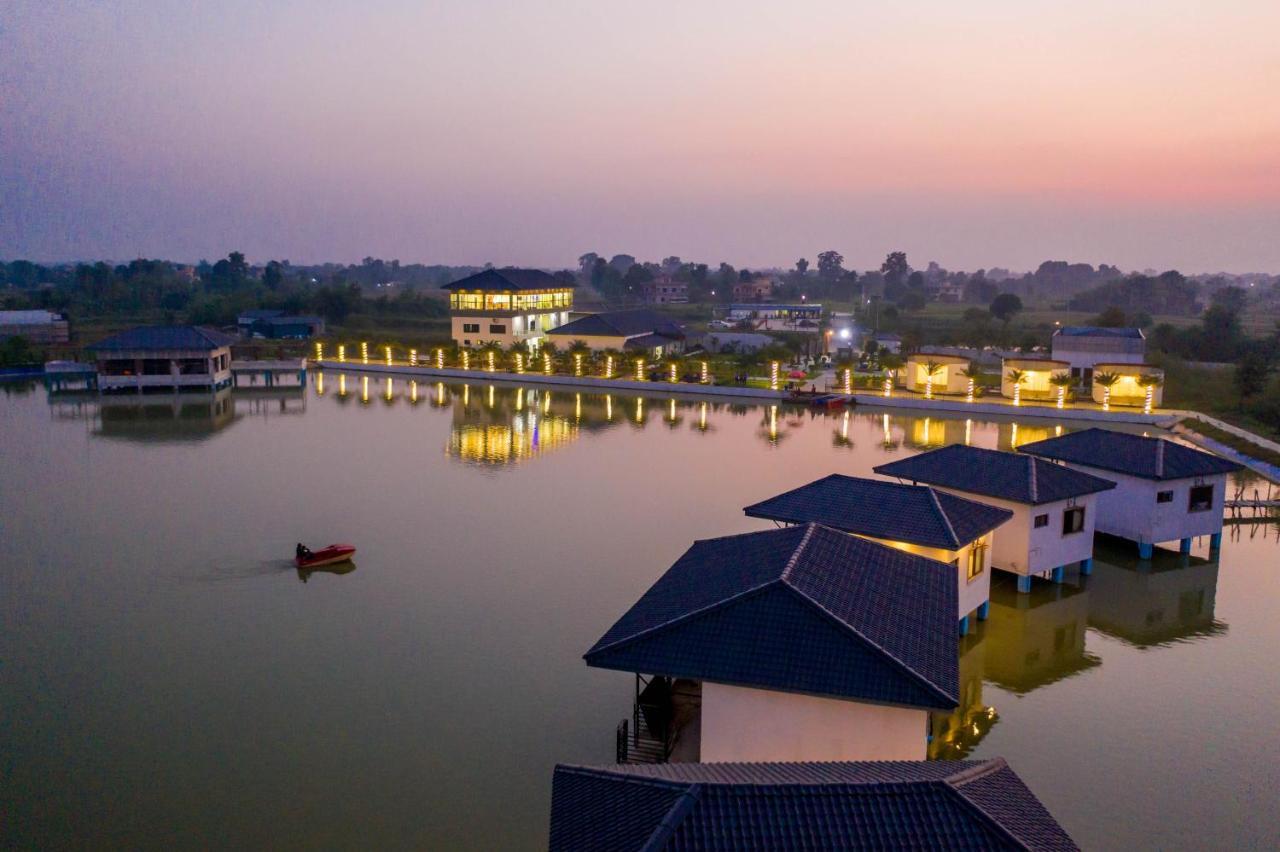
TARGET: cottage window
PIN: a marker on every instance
(1042, 520)
(1164, 496)
(1073, 520)
(1201, 499)
(471, 328)
(977, 559)
(497, 328)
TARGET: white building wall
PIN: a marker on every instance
(1020, 548)
(743, 724)
(1130, 510)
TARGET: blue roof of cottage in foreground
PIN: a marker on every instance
(938, 804)
(803, 609)
(165, 338)
(993, 473)
(915, 514)
(1135, 455)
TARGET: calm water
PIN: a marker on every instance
(168, 679)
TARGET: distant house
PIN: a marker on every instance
(758, 289)
(39, 327)
(731, 341)
(171, 358)
(949, 378)
(1083, 348)
(246, 319)
(664, 290)
(1164, 490)
(642, 332)
(1036, 373)
(888, 342)
(1054, 507)
(506, 306)
(953, 531)
(793, 644)
(937, 804)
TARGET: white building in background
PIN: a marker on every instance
(1054, 507)
(1083, 348)
(1164, 491)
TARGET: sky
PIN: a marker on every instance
(979, 134)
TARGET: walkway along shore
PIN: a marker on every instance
(1162, 419)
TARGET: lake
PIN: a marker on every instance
(168, 678)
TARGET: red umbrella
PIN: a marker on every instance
(797, 374)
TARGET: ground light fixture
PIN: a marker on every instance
(577, 363)
(364, 352)
(519, 363)
(413, 357)
(773, 375)
(466, 360)
(342, 354)
(546, 363)
(491, 366)
(639, 369)
(439, 359)
(706, 373)
(673, 372)
(608, 367)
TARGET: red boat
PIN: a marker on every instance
(326, 556)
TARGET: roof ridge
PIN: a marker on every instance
(1032, 485)
(943, 513)
(981, 768)
(929, 685)
(688, 616)
(953, 784)
(1159, 457)
(795, 554)
(673, 817)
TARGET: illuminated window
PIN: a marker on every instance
(1164, 497)
(1201, 498)
(977, 559)
(1042, 520)
(1073, 520)
(471, 328)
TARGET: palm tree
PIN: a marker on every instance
(931, 369)
(547, 352)
(1061, 381)
(1016, 378)
(579, 352)
(490, 353)
(612, 361)
(972, 372)
(1107, 381)
(1149, 382)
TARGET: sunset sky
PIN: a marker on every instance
(978, 134)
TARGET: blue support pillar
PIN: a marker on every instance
(984, 610)
(1184, 546)
(1057, 574)
(1086, 567)
(1145, 550)
(1215, 541)
(1024, 584)
(964, 626)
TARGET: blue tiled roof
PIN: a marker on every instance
(803, 609)
(509, 279)
(1008, 476)
(1098, 331)
(765, 806)
(165, 337)
(915, 514)
(1135, 455)
(620, 324)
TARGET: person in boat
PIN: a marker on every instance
(302, 551)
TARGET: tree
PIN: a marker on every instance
(830, 265)
(1251, 374)
(273, 275)
(1005, 307)
(913, 300)
(1016, 378)
(802, 267)
(1106, 381)
(895, 269)
(1062, 381)
(1112, 317)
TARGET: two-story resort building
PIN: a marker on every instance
(1084, 348)
(1164, 490)
(175, 358)
(793, 644)
(641, 332)
(955, 532)
(939, 804)
(1054, 507)
(508, 306)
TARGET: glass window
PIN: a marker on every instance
(471, 328)
(1073, 520)
(1042, 520)
(497, 328)
(977, 559)
(1164, 497)
(1201, 498)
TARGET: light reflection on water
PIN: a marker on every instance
(167, 675)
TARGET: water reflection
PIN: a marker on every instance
(1037, 638)
(340, 568)
(954, 735)
(1167, 599)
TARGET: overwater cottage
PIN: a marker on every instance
(1054, 507)
(793, 644)
(1164, 491)
(173, 358)
(508, 306)
(938, 804)
(952, 530)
